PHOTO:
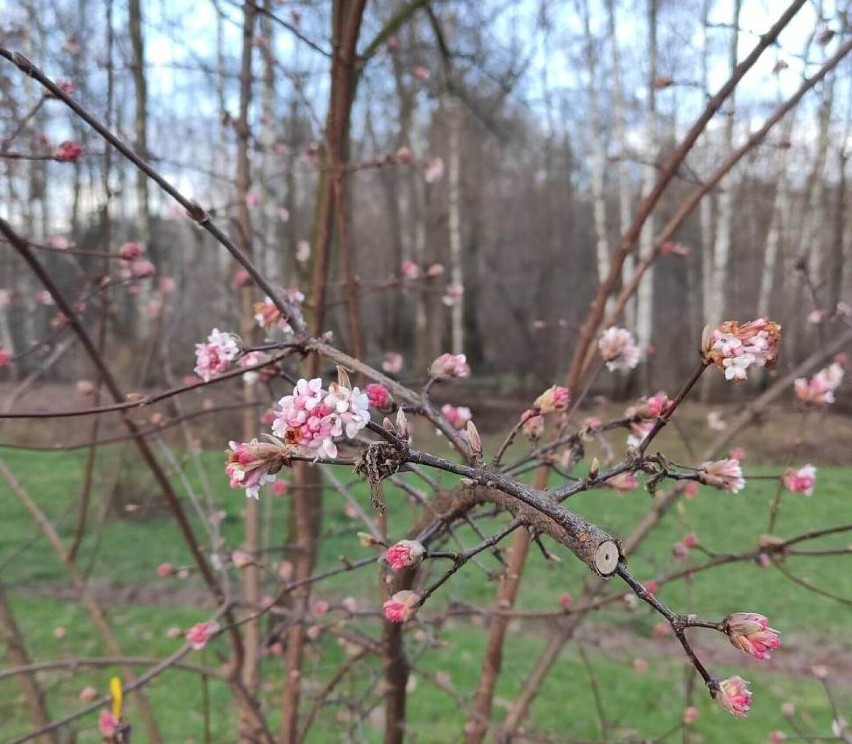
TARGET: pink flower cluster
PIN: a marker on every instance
(216, 356)
(819, 390)
(458, 416)
(751, 634)
(618, 349)
(726, 475)
(532, 424)
(802, 480)
(447, 366)
(405, 554)
(268, 316)
(681, 548)
(734, 348)
(734, 696)
(312, 416)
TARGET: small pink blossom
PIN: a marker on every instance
(690, 490)
(5, 357)
(652, 587)
(802, 480)
(565, 600)
(751, 634)
(108, 724)
(435, 270)
(59, 632)
(555, 398)
(622, 482)
(777, 737)
(216, 356)
(392, 363)
(404, 554)
(410, 269)
(252, 464)
(142, 269)
(715, 422)
(401, 606)
(66, 86)
(726, 475)
(690, 540)
(532, 424)
(378, 395)
(164, 570)
(241, 278)
(638, 431)
(458, 416)
(130, 251)
(738, 454)
(618, 349)
(447, 366)
(690, 715)
(252, 359)
(241, 558)
(453, 294)
(421, 74)
(819, 390)
(280, 487)
(198, 635)
(734, 696)
(403, 156)
(433, 170)
(68, 152)
(87, 694)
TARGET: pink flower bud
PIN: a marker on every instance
(241, 558)
(555, 398)
(750, 633)
(130, 251)
(533, 424)
(164, 570)
(401, 606)
(87, 694)
(392, 363)
(198, 635)
(107, 724)
(777, 737)
(68, 152)
(734, 696)
(802, 480)
(405, 554)
(565, 600)
(378, 395)
(690, 716)
(690, 540)
(449, 365)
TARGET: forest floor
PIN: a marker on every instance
(641, 672)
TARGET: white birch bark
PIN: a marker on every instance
(620, 137)
(715, 299)
(454, 219)
(645, 293)
(598, 160)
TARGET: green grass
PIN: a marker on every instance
(121, 553)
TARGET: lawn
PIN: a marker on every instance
(642, 676)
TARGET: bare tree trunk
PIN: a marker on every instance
(645, 295)
(715, 308)
(306, 512)
(455, 120)
(620, 136)
(835, 285)
(250, 576)
(597, 138)
(140, 135)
